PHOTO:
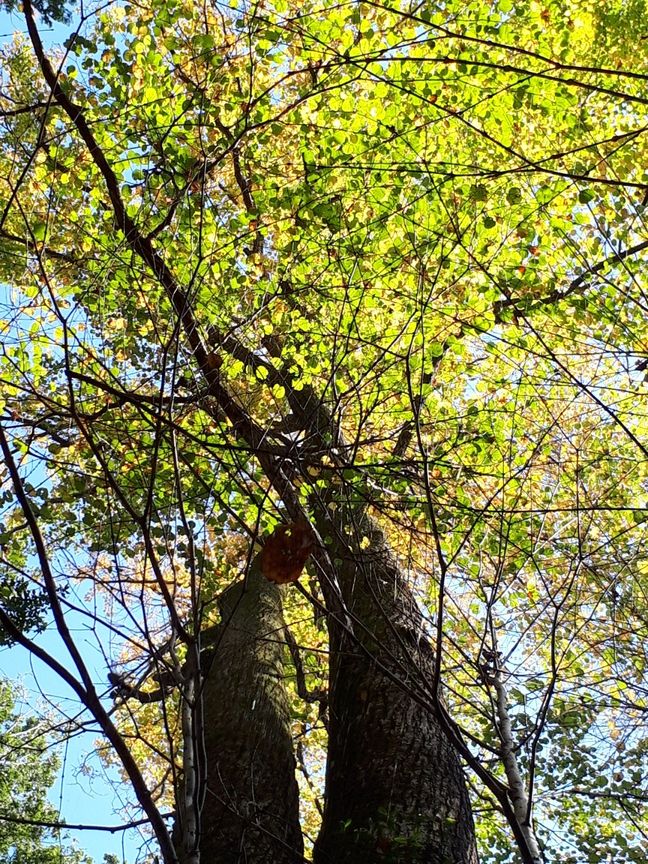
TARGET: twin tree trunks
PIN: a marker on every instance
(394, 790)
(394, 786)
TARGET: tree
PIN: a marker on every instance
(28, 771)
(360, 285)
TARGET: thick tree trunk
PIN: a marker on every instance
(395, 790)
(250, 811)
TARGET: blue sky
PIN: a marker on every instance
(83, 793)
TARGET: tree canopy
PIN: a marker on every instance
(367, 277)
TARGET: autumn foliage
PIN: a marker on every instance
(286, 551)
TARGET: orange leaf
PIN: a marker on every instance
(286, 551)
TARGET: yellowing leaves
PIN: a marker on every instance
(116, 325)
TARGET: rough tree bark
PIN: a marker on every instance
(395, 790)
(250, 806)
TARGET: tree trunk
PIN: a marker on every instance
(250, 811)
(395, 790)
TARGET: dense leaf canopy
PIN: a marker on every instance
(261, 259)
